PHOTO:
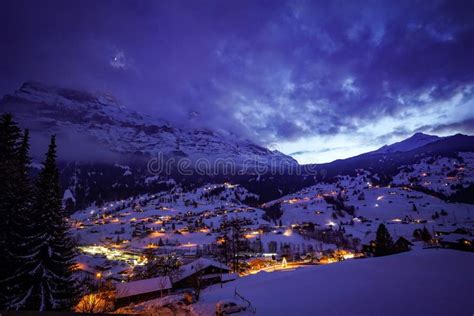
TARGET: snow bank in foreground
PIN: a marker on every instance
(424, 282)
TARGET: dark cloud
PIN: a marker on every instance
(302, 152)
(318, 151)
(396, 133)
(268, 70)
(465, 126)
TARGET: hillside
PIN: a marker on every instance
(386, 165)
(425, 282)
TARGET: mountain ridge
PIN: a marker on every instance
(98, 116)
(388, 163)
(416, 140)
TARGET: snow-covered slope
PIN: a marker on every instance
(98, 117)
(207, 204)
(358, 206)
(425, 282)
(445, 175)
(387, 161)
(415, 141)
(182, 220)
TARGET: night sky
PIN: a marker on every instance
(319, 80)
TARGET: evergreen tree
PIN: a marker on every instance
(383, 241)
(51, 286)
(26, 238)
(417, 234)
(9, 144)
(425, 235)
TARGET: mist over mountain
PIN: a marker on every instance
(103, 143)
(95, 127)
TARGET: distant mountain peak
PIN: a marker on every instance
(34, 89)
(419, 135)
(415, 141)
(98, 118)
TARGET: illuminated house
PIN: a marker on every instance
(208, 270)
(458, 242)
(142, 290)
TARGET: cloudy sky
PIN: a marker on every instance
(319, 80)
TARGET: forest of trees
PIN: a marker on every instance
(36, 272)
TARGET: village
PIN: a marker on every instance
(211, 236)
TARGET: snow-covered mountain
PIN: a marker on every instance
(387, 160)
(79, 116)
(413, 142)
(104, 145)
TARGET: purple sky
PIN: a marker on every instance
(320, 79)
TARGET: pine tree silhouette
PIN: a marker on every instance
(383, 241)
(9, 145)
(51, 286)
(24, 236)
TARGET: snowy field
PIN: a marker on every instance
(423, 282)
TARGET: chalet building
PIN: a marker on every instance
(204, 270)
(369, 249)
(209, 271)
(258, 263)
(101, 269)
(265, 228)
(402, 245)
(458, 242)
(307, 226)
(142, 290)
(141, 230)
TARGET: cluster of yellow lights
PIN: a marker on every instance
(114, 254)
(157, 234)
(229, 185)
(345, 254)
(189, 244)
(151, 246)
